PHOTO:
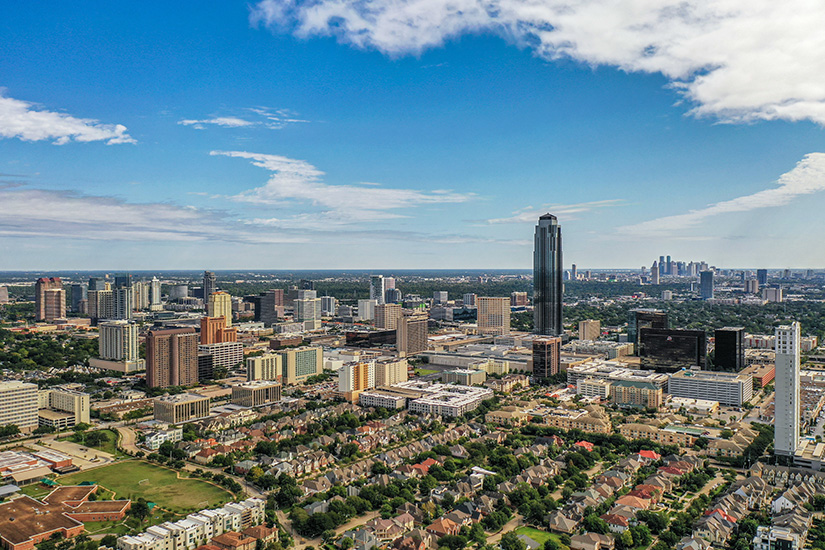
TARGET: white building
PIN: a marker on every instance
(225, 354)
(377, 288)
(366, 309)
(70, 401)
(118, 347)
(329, 305)
(153, 440)
(787, 401)
(18, 405)
(725, 387)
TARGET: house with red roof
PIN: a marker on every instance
(586, 445)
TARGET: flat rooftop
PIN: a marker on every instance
(23, 518)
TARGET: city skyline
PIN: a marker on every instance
(130, 142)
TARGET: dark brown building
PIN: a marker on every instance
(172, 358)
(546, 361)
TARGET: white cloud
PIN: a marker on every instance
(297, 182)
(807, 177)
(565, 212)
(225, 121)
(267, 118)
(28, 212)
(20, 119)
(734, 60)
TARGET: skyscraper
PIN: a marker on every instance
(387, 316)
(122, 303)
(97, 283)
(729, 349)
(706, 285)
(470, 300)
(546, 357)
(411, 335)
(377, 288)
(654, 273)
(210, 284)
(271, 306)
(669, 268)
(154, 293)
(118, 347)
(215, 331)
(762, 277)
(79, 293)
(171, 358)
(574, 273)
(49, 299)
(124, 280)
(547, 277)
(787, 399)
(493, 315)
(220, 305)
(642, 318)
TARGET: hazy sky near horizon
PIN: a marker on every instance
(341, 134)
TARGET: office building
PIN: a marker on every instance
(518, 299)
(590, 329)
(78, 295)
(49, 299)
(118, 347)
(706, 285)
(751, 286)
(465, 377)
(392, 295)
(264, 367)
(613, 372)
(68, 401)
(171, 358)
(773, 294)
(493, 315)
(353, 378)
(329, 306)
(787, 400)
(270, 307)
(411, 335)
(206, 366)
(548, 288)
(762, 277)
(366, 310)
(123, 280)
(387, 316)
(644, 318)
(210, 284)
(18, 405)
(729, 349)
(4, 295)
(180, 408)
(390, 371)
(225, 355)
(728, 388)
(377, 288)
(546, 357)
(440, 297)
(654, 273)
(98, 283)
(122, 303)
(256, 394)
(670, 350)
(215, 331)
(469, 300)
(574, 272)
(220, 305)
(298, 364)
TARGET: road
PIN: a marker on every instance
(128, 439)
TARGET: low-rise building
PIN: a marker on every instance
(153, 440)
(180, 408)
(635, 430)
(727, 388)
(465, 377)
(256, 393)
(591, 419)
(763, 374)
(631, 393)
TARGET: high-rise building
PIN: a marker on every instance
(220, 305)
(751, 286)
(18, 405)
(272, 306)
(124, 280)
(493, 315)
(97, 283)
(389, 283)
(225, 355)
(518, 299)
(215, 331)
(787, 401)
(79, 293)
(298, 364)
(392, 295)
(49, 299)
(643, 318)
(706, 285)
(118, 341)
(547, 278)
(353, 378)
(440, 297)
(670, 350)
(574, 273)
(122, 303)
(101, 304)
(264, 367)
(171, 358)
(307, 309)
(4, 295)
(366, 310)
(470, 300)
(654, 273)
(773, 294)
(306, 284)
(377, 288)
(390, 371)
(590, 329)
(762, 277)
(61, 399)
(210, 284)
(546, 357)
(329, 305)
(729, 349)
(154, 293)
(140, 295)
(669, 269)
(667, 295)
(206, 366)
(411, 335)
(387, 316)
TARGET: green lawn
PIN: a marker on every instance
(424, 372)
(36, 490)
(537, 535)
(108, 446)
(133, 479)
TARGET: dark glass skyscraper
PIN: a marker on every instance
(547, 277)
(210, 285)
(706, 285)
(729, 354)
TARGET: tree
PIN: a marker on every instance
(510, 541)
(625, 540)
(139, 509)
(347, 543)
(109, 541)
(595, 524)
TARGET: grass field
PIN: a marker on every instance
(134, 479)
(537, 535)
(108, 446)
(424, 372)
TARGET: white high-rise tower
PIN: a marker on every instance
(787, 400)
(377, 288)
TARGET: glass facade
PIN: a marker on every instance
(668, 350)
(547, 277)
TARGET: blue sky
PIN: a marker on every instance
(409, 134)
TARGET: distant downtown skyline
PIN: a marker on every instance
(267, 135)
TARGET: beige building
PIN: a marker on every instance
(118, 347)
(390, 371)
(264, 367)
(590, 329)
(593, 387)
(180, 408)
(465, 377)
(220, 305)
(411, 335)
(493, 315)
(508, 383)
(256, 394)
(635, 394)
(298, 364)
(18, 405)
(658, 435)
(387, 316)
(224, 355)
(590, 419)
(491, 366)
(507, 416)
(69, 401)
